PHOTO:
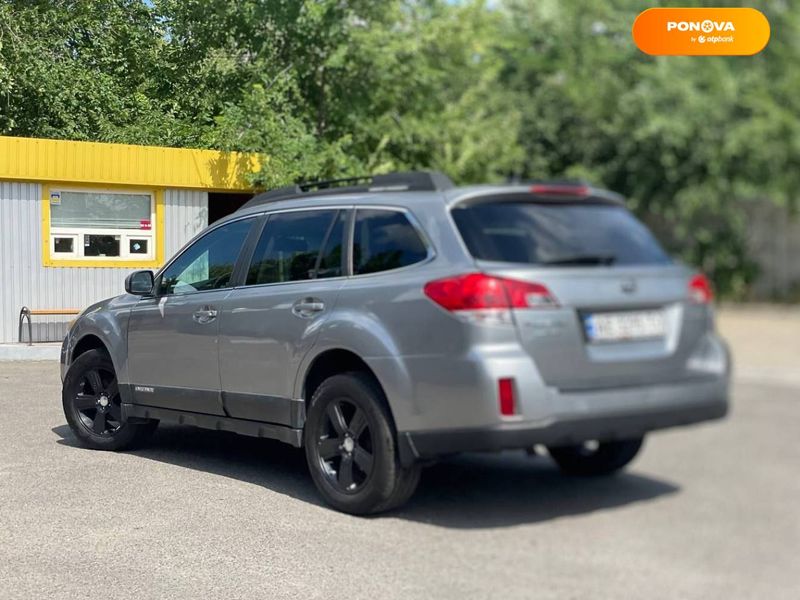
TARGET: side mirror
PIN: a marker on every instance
(139, 283)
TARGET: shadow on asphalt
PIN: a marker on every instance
(471, 491)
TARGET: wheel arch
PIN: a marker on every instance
(334, 361)
(355, 333)
(105, 331)
(388, 372)
(90, 341)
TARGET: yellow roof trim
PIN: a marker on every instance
(34, 159)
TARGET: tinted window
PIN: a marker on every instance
(208, 263)
(290, 245)
(557, 234)
(100, 245)
(330, 261)
(384, 240)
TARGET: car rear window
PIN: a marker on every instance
(557, 234)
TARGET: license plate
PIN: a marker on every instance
(629, 325)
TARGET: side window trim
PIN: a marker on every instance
(324, 245)
(248, 249)
(412, 219)
(191, 243)
(349, 236)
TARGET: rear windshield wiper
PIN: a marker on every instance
(582, 259)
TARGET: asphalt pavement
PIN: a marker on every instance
(707, 512)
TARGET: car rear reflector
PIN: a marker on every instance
(700, 289)
(478, 291)
(556, 189)
(505, 396)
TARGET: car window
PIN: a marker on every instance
(558, 234)
(330, 259)
(384, 240)
(208, 263)
(290, 247)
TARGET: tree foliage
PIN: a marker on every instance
(480, 90)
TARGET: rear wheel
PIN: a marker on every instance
(596, 458)
(350, 447)
(92, 405)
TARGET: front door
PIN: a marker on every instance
(271, 322)
(173, 356)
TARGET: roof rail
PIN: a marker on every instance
(409, 181)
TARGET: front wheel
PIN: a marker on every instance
(93, 408)
(596, 458)
(351, 450)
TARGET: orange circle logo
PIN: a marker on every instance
(701, 31)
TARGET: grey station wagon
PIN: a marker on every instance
(382, 322)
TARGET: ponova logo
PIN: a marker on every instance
(701, 31)
(706, 26)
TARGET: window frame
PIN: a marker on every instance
(238, 277)
(65, 255)
(413, 221)
(127, 260)
(248, 246)
(348, 211)
(267, 217)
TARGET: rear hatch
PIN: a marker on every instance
(619, 313)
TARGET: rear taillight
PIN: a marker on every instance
(480, 292)
(523, 294)
(700, 290)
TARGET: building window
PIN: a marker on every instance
(64, 245)
(138, 246)
(102, 226)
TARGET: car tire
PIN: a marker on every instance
(603, 459)
(92, 405)
(351, 447)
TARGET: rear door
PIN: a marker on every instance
(621, 316)
(269, 324)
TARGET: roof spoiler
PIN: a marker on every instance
(568, 188)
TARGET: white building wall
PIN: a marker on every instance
(25, 282)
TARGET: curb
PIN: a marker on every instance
(23, 352)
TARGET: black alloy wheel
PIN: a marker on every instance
(351, 447)
(93, 405)
(97, 402)
(345, 446)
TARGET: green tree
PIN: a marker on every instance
(688, 140)
(81, 69)
(480, 90)
(364, 87)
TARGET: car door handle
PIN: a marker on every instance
(205, 315)
(307, 307)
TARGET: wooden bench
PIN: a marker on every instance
(27, 313)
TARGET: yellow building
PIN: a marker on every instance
(76, 217)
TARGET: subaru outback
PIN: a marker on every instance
(382, 322)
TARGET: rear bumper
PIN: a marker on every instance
(428, 444)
